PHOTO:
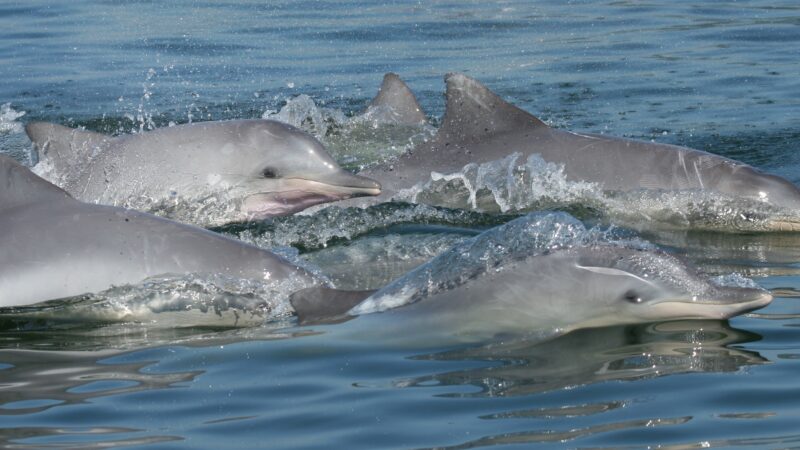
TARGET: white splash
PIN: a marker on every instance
(8, 119)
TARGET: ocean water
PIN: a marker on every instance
(717, 76)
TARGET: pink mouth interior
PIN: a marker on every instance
(260, 206)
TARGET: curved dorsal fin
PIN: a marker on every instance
(61, 147)
(19, 186)
(473, 111)
(395, 103)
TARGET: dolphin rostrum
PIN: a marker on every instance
(540, 274)
(206, 173)
(479, 127)
(54, 246)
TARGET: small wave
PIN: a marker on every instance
(170, 301)
(334, 224)
(380, 259)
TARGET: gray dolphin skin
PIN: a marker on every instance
(479, 127)
(395, 103)
(251, 169)
(54, 246)
(551, 291)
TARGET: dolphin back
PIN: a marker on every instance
(20, 186)
(61, 149)
(320, 305)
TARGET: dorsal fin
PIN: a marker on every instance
(319, 305)
(19, 186)
(473, 111)
(60, 148)
(395, 103)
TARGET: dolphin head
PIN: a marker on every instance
(628, 286)
(766, 187)
(288, 170)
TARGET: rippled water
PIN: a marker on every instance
(718, 76)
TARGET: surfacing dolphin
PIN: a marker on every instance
(542, 274)
(54, 246)
(206, 173)
(480, 127)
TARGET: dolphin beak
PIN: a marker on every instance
(721, 303)
(356, 184)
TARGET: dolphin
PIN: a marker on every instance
(479, 127)
(516, 280)
(395, 103)
(54, 246)
(240, 169)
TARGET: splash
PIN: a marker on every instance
(516, 185)
(173, 301)
(734, 280)
(510, 184)
(355, 142)
(302, 112)
(8, 119)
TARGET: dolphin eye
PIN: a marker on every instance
(269, 172)
(632, 296)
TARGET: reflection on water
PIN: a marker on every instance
(562, 436)
(584, 357)
(96, 437)
(753, 255)
(33, 381)
(596, 355)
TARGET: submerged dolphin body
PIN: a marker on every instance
(540, 274)
(54, 246)
(242, 169)
(479, 127)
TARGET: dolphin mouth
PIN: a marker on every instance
(304, 194)
(730, 302)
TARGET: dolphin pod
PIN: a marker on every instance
(58, 243)
(54, 246)
(551, 276)
(250, 169)
(540, 273)
(480, 127)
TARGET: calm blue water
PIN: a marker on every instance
(719, 76)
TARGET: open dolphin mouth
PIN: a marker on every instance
(305, 194)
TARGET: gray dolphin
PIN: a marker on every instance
(231, 170)
(515, 279)
(54, 246)
(480, 127)
(395, 103)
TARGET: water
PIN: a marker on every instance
(716, 76)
